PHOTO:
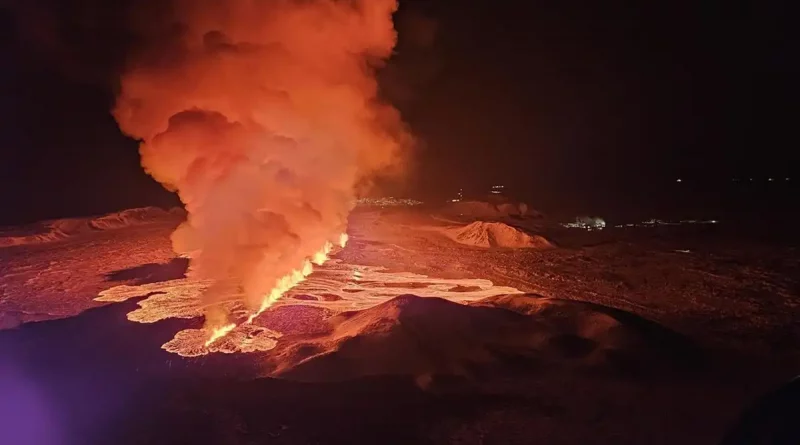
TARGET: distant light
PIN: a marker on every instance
(787, 179)
(751, 179)
(770, 179)
(679, 180)
(387, 202)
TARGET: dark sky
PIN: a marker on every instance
(566, 102)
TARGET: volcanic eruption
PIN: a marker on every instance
(265, 118)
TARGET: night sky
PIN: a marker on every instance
(572, 104)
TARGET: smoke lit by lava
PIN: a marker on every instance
(263, 116)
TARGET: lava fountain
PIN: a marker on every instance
(264, 117)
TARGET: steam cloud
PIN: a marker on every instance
(264, 117)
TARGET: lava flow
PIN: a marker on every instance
(283, 285)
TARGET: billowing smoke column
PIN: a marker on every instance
(264, 117)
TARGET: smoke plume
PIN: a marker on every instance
(264, 117)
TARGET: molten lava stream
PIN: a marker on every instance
(219, 332)
(284, 284)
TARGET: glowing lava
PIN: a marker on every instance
(217, 333)
(283, 285)
(320, 257)
(358, 287)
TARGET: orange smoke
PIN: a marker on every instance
(263, 116)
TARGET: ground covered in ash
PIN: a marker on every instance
(429, 327)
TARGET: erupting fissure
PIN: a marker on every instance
(284, 284)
